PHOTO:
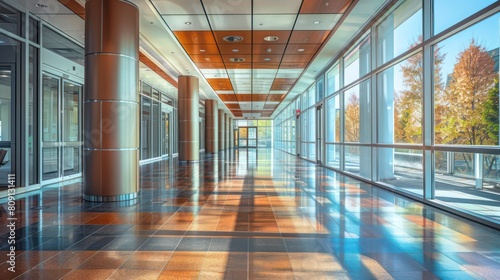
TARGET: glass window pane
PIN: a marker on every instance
(50, 111)
(71, 117)
(333, 119)
(320, 89)
(401, 30)
(145, 128)
(449, 12)
(63, 46)
(400, 102)
(357, 62)
(466, 86)
(146, 89)
(333, 80)
(333, 155)
(401, 168)
(34, 35)
(10, 19)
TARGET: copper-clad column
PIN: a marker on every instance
(111, 105)
(211, 126)
(189, 116)
(222, 121)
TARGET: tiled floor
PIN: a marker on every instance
(245, 215)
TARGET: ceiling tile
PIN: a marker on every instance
(227, 58)
(302, 48)
(274, 22)
(206, 58)
(220, 83)
(195, 37)
(227, 97)
(275, 97)
(251, 115)
(186, 22)
(178, 7)
(230, 22)
(233, 49)
(317, 21)
(308, 36)
(201, 49)
(203, 65)
(272, 49)
(231, 106)
(267, 58)
(296, 58)
(217, 7)
(324, 6)
(276, 6)
(259, 35)
(288, 73)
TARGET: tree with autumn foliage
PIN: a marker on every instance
(467, 106)
(463, 101)
(408, 102)
(352, 118)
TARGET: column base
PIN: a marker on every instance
(110, 198)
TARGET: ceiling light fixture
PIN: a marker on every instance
(300, 50)
(233, 38)
(271, 38)
(39, 5)
(268, 50)
(237, 59)
(236, 50)
(188, 23)
(317, 22)
(202, 50)
(267, 59)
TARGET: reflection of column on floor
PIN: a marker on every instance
(478, 169)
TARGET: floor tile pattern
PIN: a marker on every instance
(244, 214)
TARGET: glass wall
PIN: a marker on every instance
(156, 124)
(413, 105)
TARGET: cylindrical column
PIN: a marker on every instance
(222, 120)
(211, 126)
(111, 105)
(189, 130)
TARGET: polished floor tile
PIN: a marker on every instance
(244, 214)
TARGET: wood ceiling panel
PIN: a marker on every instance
(227, 58)
(308, 36)
(272, 49)
(203, 58)
(259, 35)
(220, 84)
(201, 49)
(281, 87)
(297, 58)
(246, 34)
(284, 81)
(195, 37)
(233, 106)
(295, 65)
(242, 49)
(270, 106)
(210, 65)
(227, 97)
(234, 65)
(275, 97)
(324, 7)
(301, 49)
(266, 114)
(266, 58)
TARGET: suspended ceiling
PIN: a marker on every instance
(254, 56)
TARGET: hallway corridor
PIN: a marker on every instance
(245, 214)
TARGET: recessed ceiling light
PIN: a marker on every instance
(300, 50)
(233, 38)
(236, 50)
(207, 59)
(237, 59)
(188, 23)
(271, 38)
(202, 50)
(39, 5)
(317, 22)
(267, 59)
(268, 50)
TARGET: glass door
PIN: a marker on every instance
(7, 78)
(61, 130)
(165, 126)
(247, 137)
